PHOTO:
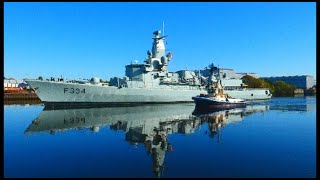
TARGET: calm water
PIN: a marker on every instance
(275, 138)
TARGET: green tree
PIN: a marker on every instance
(283, 89)
(253, 82)
(278, 88)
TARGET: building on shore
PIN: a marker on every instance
(12, 84)
(303, 82)
(228, 73)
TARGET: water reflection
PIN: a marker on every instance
(149, 125)
(219, 118)
(292, 104)
(291, 107)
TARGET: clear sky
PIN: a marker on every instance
(83, 40)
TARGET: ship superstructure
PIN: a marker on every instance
(149, 82)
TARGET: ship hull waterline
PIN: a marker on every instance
(61, 92)
(203, 103)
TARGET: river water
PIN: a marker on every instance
(275, 138)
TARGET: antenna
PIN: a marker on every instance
(162, 27)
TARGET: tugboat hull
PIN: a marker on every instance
(208, 103)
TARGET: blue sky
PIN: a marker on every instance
(83, 40)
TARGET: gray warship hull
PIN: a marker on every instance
(250, 94)
(60, 92)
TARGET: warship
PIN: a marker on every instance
(149, 82)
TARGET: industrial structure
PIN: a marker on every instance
(230, 73)
(12, 85)
(303, 82)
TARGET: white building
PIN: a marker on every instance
(13, 83)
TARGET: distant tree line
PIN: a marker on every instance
(278, 88)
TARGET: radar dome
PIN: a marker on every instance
(95, 80)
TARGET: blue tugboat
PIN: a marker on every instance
(216, 97)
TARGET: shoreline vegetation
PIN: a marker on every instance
(278, 88)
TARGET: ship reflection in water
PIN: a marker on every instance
(216, 119)
(150, 124)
